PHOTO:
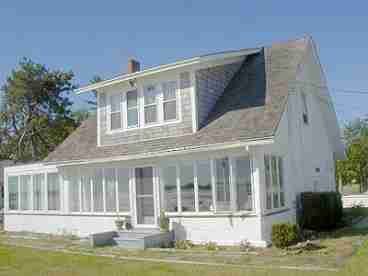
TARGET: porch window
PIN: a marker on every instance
(116, 112)
(170, 194)
(132, 108)
(169, 100)
(204, 181)
(25, 192)
(123, 189)
(13, 192)
(39, 192)
(150, 104)
(86, 190)
(110, 189)
(222, 184)
(268, 182)
(275, 196)
(187, 187)
(243, 184)
(74, 203)
(98, 203)
(53, 192)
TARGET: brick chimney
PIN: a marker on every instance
(133, 66)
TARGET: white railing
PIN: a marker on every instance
(352, 200)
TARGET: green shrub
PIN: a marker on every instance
(284, 234)
(211, 246)
(320, 211)
(183, 244)
(164, 222)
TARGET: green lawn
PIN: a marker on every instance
(341, 249)
(24, 261)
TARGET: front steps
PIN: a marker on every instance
(138, 238)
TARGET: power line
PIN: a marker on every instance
(337, 90)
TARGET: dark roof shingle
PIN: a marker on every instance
(250, 108)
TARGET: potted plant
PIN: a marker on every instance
(120, 222)
(164, 222)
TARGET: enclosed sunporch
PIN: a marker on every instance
(195, 189)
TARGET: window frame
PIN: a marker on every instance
(213, 211)
(120, 111)
(280, 174)
(169, 101)
(157, 93)
(160, 102)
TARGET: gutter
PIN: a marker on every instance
(167, 153)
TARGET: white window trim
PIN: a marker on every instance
(280, 208)
(140, 88)
(158, 92)
(214, 211)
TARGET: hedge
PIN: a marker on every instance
(320, 211)
(284, 234)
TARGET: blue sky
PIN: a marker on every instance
(97, 37)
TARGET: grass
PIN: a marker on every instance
(23, 261)
(342, 249)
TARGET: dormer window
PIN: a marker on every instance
(169, 100)
(145, 106)
(132, 108)
(115, 114)
(150, 104)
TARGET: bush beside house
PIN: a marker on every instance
(320, 211)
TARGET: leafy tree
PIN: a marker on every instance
(354, 169)
(35, 115)
(94, 80)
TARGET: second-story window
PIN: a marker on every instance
(132, 108)
(116, 118)
(150, 104)
(169, 100)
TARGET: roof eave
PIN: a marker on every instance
(166, 67)
(171, 152)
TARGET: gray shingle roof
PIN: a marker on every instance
(250, 108)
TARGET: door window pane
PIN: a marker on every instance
(144, 193)
(123, 189)
(168, 181)
(222, 184)
(25, 192)
(132, 108)
(13, 192)
(53, 191)
(243, 184)
(86, 190)
(39, 192)
(204, 185)
(110, 190)
(98, 191)
(187, 187)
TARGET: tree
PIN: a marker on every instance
(94, 80)
(35, 115)
(354, 169)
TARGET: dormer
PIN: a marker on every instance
(165, 101)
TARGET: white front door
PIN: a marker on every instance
(145, 197)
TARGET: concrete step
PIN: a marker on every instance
(137, 239)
